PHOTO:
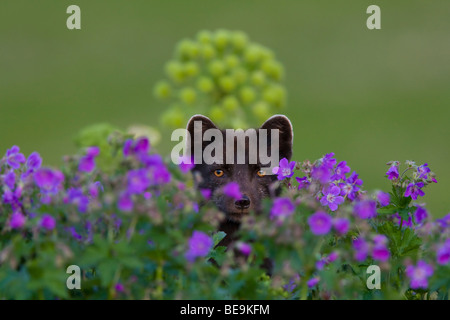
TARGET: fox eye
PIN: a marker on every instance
(218, 172)
(261, 173)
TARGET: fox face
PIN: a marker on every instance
(250, 172)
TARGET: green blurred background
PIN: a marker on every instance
(370, 96)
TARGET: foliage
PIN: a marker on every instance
(141, 231)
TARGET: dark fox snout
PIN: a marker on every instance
(243, 203)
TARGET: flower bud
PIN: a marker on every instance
(188, 95)
(221, 39)
(247, 95)
(239, 40)
(217, 68)
(205, 84)
(230, 103)
(227, 83)
(162, 90)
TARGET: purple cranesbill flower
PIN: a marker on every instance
(232, 190)
(94, 187)
(74, 233)
(285, 170)
(444, 222)
(160, 175)
(313, 282)
(87, 162)
(199, 245)
(244, 248)
(380, 251)
(151, 160)
(321, 173)
(47, 222)
(34, 162)
(75, 196)
(331, 197)
(303, 183)
(119, 288)
(420, 214)
(206, 193)
(406, 223)
(14, 158)
(328, 160)
(17, 220)
(365, 209)
(392, 173)
(443, 253)
(383, 198)
(125, 202)
(423, 171)
(341, 225)
(9, 179)
(361, 249)
(186, 164)
(140, 146)
(281, 208)
(419, 274)
(341, 170)
(49, 181)
(414, 190)
(320, 223)
(138, 181)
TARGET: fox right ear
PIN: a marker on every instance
(192, 129)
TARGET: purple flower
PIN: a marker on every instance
(423, 171)
(414, 190)
(119, 288)
(281, 208)
(244, 248)
(383, 198)
(365, 209)
(87, 163)
(420, 214)
(206, 193)
(49, 181)
(340, 171)
(93, 189)
(331, 197)
(444, 222)
(34, 161)
(392, 173)
(74, 233)
(321, 173)
(75, 196)
(361, 249)
(320, 223)
(14, 158)
(285, 170)
(380, 251)
(443, 253)
(186, 164)
(47, 222)
(125, 202)
(328, 160)
(232, 190)
(138, 181)
(303, 183)
(312, 282)
(419, 274)
(17, 220)
(140, 146)
(199, 245)
(10, 179)
(406, 223)
(341, 225)
(160, 175)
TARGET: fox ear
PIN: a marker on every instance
(206, 124)
(285, 133)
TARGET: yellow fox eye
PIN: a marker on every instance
(261, 173)
(218, 173)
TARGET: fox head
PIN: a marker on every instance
(254, 180)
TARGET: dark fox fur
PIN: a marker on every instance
(252, 186)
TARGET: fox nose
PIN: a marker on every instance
(243, 203)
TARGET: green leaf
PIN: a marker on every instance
(217, 237)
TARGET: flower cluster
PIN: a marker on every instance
(141, 230)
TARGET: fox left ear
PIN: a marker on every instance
(285, 133)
